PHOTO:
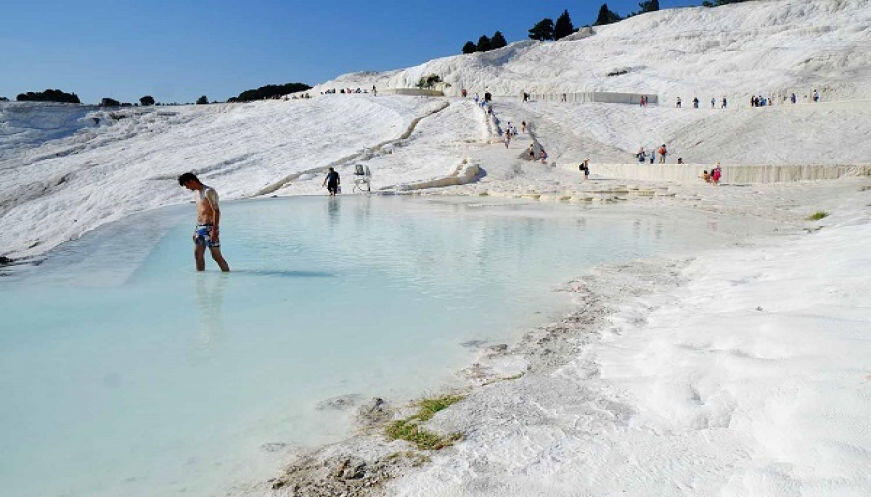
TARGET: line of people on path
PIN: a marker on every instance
(723, 103)
(755, 100)
(349, 91)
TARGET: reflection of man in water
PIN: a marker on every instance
(210, 300)
(208, 219)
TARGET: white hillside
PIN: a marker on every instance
(734, 51)
(58, 190)
(821, 133)
(62, 175)
(24, 124)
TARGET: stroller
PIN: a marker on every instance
(362, 178)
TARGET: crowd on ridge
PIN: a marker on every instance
(755, 100)
(350, 91)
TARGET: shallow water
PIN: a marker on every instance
(125, 372)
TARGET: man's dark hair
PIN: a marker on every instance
(184, 178)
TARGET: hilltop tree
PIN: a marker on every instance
(716, 3)
(269, 91)
(606, 16)
(48, 96)
(470, 47)
(483, 43)
(498, 41)
(4, 99)
(146, 100)
(563, 26)
(543, 30)
(649, 5)
(202, 100)
(109, 102)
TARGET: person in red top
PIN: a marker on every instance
(716, 173)
(662, 153)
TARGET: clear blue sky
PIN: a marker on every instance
(177, 50)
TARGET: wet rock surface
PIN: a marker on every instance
(340, 403)
(364, 464)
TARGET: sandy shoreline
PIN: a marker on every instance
(519, 397)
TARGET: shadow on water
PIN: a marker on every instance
(285, 274)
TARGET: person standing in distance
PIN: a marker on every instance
(332, 182)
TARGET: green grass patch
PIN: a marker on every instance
(428, 407)
(816, 216)
(409, 429)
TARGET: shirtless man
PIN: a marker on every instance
(208, 219)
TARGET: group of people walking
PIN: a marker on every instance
(642, 155)
(714, 176)
(760, 101)
(349, 91)
(696, 102)
(755, 100)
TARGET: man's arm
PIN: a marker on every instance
(212, 199)
(214, 234)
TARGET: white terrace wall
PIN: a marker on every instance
(596, 96)
(413, 91)
(736, 174)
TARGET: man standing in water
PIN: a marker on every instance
(332, 182)
(208, 219)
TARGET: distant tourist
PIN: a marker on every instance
(713, 102)
(680, 160)
(332, 182)
(523, 126)
(662, 153)
(652, 156)
(584, 167)
(530, 152)
(488, 97)
(564, 97)
(641, 155)
(706, 176)
(695, 102)
(208, 220)
(463, 93)
(678, 103)
(816, 95)
(724, 103)
(716, 173)
(543, 156)
(793, 98)
(374, 91)
(476, 99)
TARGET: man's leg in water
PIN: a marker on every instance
(199, 250)
(216, 254)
